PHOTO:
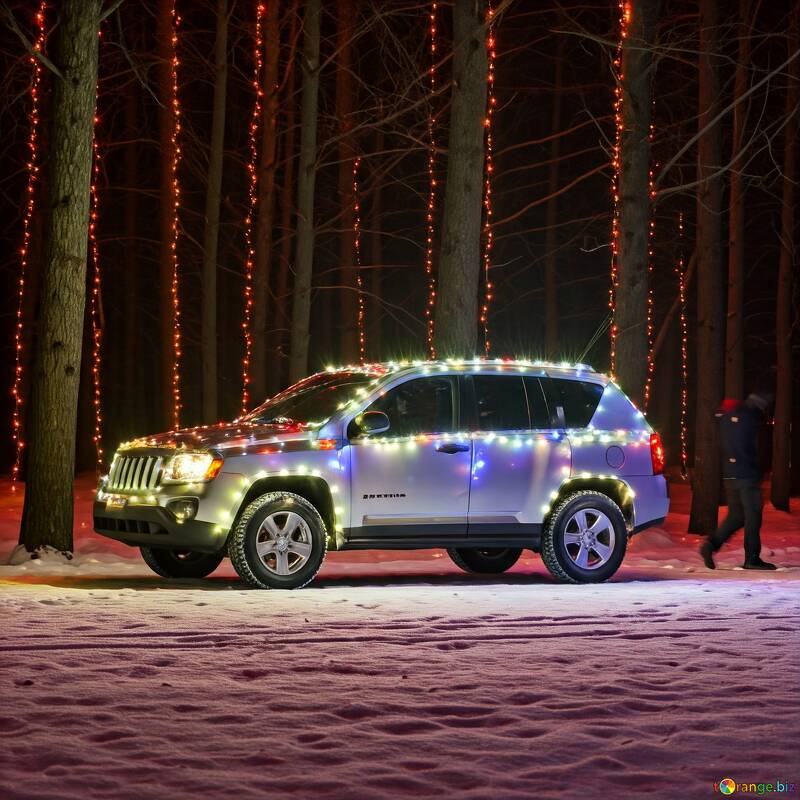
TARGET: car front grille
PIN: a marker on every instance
(134, 473)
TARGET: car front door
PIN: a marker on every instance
(518, 460)
(411, 482)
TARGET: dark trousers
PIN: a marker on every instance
(744, 510)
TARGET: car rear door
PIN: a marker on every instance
(518, 459)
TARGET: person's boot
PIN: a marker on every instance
(707, 554)
(757, 563)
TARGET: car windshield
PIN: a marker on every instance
(313, 400)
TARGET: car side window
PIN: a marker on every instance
(579, 399)
(501, 403)
(421, 405)
(537, 406)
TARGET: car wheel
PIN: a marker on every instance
(485, 561)
(279, 542)
(180, 563)
(584, 539)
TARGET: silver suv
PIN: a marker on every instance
(482, 457)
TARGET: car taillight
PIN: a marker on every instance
(656, 454)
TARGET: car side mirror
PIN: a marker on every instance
(370, 422)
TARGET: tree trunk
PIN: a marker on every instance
(460, 256)
(276, 378)
(306, 179)
(551, 236)
(47, 516)
(167, 125)
(208, 329)
(734, 333)
(376, 257)
(345, 102)
(262, 266)
(633, 243)
(782, 429)
(710, 321)
(131, 357)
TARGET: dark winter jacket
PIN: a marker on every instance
(738, 438)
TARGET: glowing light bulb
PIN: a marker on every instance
(252, 167)
(430, 306)
(176, 193)
(362, 335)
(488, 234)
(30, 204)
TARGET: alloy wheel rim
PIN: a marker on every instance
(283, 543)
(589, 538)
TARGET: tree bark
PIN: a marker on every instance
(208, 324)
(131, 357)
(306, 179)
(710, 320)
(276, 378)
(376, 257)
(551, 236)
(734, 331)
(782, 429)
(633, 280)
(460, 254)
(168, 198)
(262, 265)
(47, 516)
(345, 101)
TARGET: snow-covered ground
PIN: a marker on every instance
(396, 675)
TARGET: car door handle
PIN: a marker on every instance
(451, 447)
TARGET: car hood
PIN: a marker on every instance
(222, 436)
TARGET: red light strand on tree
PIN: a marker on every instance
(680, 270)
(651, 233)
(30, 201)
(176, 194)
(94, 305)
(362, 335)
(624, 20)
(255, 124)
(430, 307)
(488, 234)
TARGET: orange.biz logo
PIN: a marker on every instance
(728, 786)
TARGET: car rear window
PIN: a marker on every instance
(501, 403)
(579, 399)
(537, 406)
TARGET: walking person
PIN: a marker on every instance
(739, 424)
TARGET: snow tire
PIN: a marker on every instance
(485, 561)
(243, 538)
(554, 552)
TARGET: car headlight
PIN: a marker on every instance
(191, 468)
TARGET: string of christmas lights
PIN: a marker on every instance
(95, 296)
(362, 336)
(255, 124)
(176, 194)
(651, 233)
(488, 234)
(30, 195)
(624, 20)
(680, 270)
(430, 307)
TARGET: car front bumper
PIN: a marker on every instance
(155, 526)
